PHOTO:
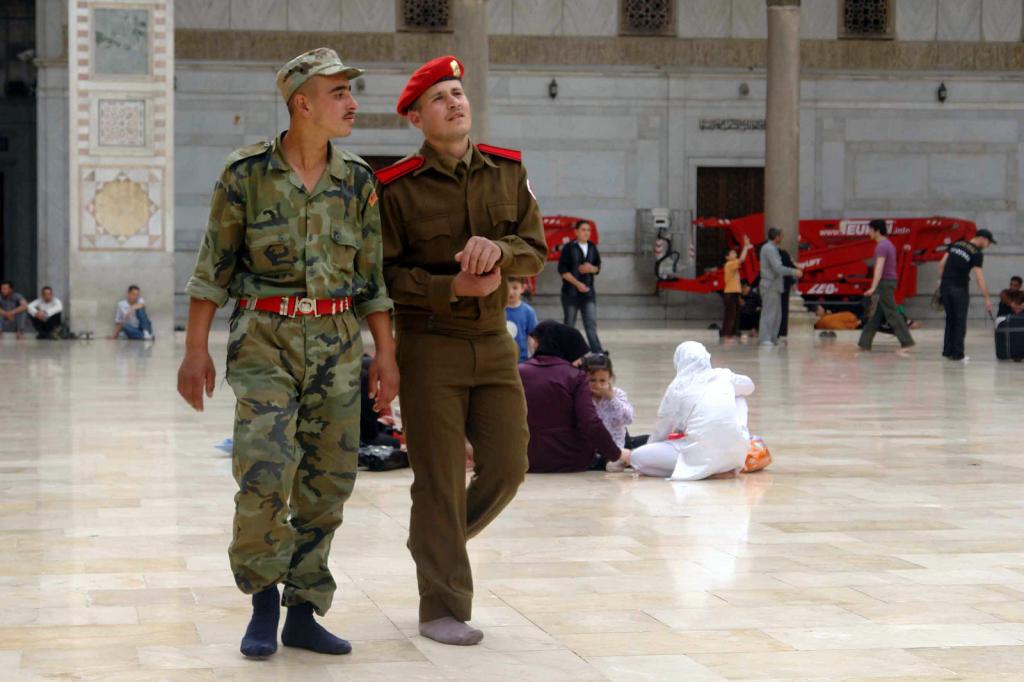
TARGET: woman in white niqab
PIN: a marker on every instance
(710, 406)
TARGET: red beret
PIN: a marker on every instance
(431, 73)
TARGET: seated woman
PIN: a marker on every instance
(565, 431)
(710, 407)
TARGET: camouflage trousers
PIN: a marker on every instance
(296, 381)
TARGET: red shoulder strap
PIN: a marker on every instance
(388, 175)
(510, 154)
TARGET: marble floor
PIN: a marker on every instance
(885, 543)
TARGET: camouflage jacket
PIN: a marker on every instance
(268, 236)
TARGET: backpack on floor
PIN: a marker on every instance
(1010, 338)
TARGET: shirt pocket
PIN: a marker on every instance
(430, 239)
(271, 251)
(342, 247)
(504, 220)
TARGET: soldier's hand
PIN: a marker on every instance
(470, 285)
(383, 377)
(479, 256)
(195, 374)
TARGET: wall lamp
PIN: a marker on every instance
(942, 93)
(553, 89)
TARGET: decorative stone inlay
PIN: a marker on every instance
(122, 122)
(122, 209)
(829, 55)
(121, 42)
(734, 124)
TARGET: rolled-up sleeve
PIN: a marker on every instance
(369, 265)
(225, 233)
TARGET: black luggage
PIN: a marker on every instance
(1010, 338)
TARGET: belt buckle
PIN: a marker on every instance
(306, 306)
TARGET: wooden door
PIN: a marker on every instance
(724, 192)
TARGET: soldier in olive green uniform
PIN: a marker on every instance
(457, 218)
(294, 236)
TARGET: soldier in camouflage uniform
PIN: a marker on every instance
(294, 236)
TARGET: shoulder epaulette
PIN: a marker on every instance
(354, 158)
(245, 152)
(510, 154)
(396, 170)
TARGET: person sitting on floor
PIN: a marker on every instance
(750, 310)
(709, 407)
(12, 310)
(1009, 296)
(565, 430)
(848, 319)
(610, 401)
(45, 313)
(843, 319)
(131, 318)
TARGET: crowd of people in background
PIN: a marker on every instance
(16, 313)
(45, 314)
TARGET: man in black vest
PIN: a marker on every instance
(577, 265)
(962, 258)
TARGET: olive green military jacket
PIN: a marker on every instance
(268, 236)
(429, 213)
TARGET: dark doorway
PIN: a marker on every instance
(724, 193)
(377, 162)
(3, 229)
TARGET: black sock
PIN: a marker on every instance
(301, 630)
(260, 638)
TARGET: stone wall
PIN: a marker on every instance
(916, 20)
(616, 141)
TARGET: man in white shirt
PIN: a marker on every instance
(45, 313)
(131, 317)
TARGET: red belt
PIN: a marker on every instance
(291, 306)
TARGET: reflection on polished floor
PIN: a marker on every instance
(884, 543)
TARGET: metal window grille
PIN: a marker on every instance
(425, 15)
(867, 19)
(647, 17)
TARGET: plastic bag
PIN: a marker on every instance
(758, 456)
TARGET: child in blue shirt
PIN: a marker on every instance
(519, 316)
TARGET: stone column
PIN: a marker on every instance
(469, 21)
(52, 146)
(121, 153)
(782, 141)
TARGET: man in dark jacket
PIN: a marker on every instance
(577, 265)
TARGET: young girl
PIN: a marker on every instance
(710, 407)
(612, 403)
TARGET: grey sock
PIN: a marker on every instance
(447, 630)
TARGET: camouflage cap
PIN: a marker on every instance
(323, 61)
